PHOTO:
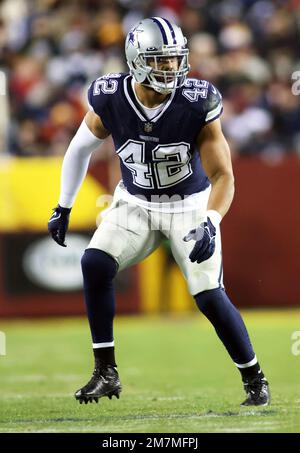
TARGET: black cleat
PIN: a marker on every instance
(104, 382)
(258, 393)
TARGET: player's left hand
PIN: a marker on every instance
(205, 245)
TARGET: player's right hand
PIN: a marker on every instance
(58, 224)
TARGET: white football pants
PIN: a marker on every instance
(129, 233)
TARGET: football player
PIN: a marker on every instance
(177, 183)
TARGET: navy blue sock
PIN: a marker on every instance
(228, 324)
(99, 270)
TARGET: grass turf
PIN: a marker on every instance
(176, 377)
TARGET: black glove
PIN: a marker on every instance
(204, 236)
(58, 224)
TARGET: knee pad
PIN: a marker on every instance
(98, 265)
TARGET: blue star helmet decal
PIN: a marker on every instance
(131, 37)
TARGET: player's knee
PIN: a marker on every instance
(98, 264)
(205, 299)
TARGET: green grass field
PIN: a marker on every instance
(175, 373)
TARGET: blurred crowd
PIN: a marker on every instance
(51, 50)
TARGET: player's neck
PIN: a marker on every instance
(148, 97)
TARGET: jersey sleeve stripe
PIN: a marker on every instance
(91, 108)
(214, 113)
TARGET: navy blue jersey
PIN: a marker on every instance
(159, 156)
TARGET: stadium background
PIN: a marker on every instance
(50, 50)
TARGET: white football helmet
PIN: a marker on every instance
(157, 55)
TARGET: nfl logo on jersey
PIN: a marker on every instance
(148, 127)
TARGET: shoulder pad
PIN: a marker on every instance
(101, 90)
(205, 99)
(100, 94)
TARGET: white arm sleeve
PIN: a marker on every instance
(75, 164)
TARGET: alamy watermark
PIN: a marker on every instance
(135, 217)
(2, 343)
(296, 342)
(296, 84)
